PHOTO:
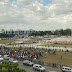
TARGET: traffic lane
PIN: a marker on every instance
(52, 69)
(30, 68)
(27, 68)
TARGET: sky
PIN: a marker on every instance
(35, 14)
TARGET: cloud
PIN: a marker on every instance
(27, 14)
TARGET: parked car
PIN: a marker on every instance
(66, 69)
(1, 59)
(13, 60)
(6, 57)
(27, 62)
(38, 67)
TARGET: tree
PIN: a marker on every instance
(57, 32)
(10, 67)
(61, 32)
(12, 32)
(67, 32)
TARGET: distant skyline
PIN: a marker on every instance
(35, 14)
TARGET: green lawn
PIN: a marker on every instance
(66, 58)
(35, 39)
(7, 41)
(39, 39)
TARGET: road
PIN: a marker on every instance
(30, 69)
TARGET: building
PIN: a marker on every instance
(18, 32)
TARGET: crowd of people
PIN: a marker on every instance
(25, 53)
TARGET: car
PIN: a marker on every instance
(13, 60)
(38, 67)
(27, 62)
(1, 59)
(6, 57)
(66, 69)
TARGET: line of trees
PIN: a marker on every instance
(6, 35)
(60, 32)
(41, 33)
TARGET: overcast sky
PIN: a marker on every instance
(35, 14)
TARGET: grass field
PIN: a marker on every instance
(66, 58)
(39, 39)
(56, 45)
(7, 41)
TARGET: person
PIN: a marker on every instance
(61, 57)
(54, 52)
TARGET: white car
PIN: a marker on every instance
(27, 62)
(1, 59)
(6, 57)
(66, 69)
(13, 60)
(38, 67)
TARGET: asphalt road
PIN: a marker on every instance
(30, 69)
